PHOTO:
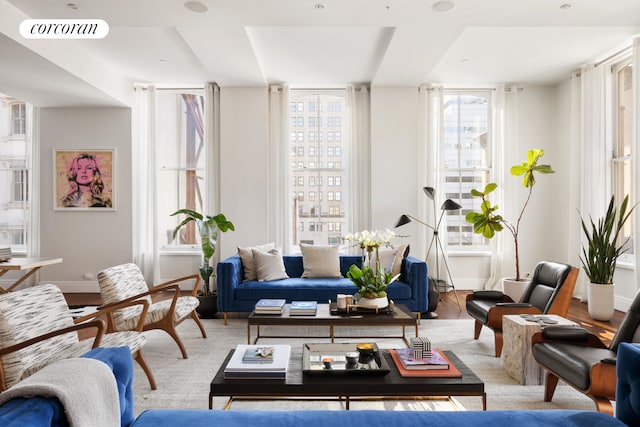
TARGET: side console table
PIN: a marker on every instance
(517, 355)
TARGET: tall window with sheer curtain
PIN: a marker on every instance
(318, 169)
(466, 160)
(15, 173)
(180, 162)
(622, 129)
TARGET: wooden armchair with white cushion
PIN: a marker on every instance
(125, 283)
(37, 328)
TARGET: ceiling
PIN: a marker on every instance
(305, 42)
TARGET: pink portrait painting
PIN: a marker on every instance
(83, 179)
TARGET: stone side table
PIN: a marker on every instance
(517, 355)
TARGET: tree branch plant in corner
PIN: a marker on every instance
(208, 228)
(599, 257)
(488, 222)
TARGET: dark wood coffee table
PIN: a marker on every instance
(389, 387)
(401, 316)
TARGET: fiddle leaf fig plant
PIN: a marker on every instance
(604, 245)
(208, 228)
(488, 222)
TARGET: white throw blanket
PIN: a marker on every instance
(86, 388)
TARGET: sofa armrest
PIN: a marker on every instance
(415, 274)
(229, 276)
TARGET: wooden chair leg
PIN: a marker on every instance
(550, 383)
(498, 342)
(224, 316)
(195, 317)
(171, 330)
(137, 356)
(603, 405)
(477, 327)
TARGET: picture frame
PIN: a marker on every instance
(84, 179)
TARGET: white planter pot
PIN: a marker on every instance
(514, 288)
(373, 302)
(600, 301)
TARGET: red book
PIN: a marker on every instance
(452, 372)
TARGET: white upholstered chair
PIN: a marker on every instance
(37, 328)
(125, 283)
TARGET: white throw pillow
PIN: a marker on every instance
(320, 261)
(248, 264)
(269, 265)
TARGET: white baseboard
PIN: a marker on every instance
(78, 287)
(622, 303)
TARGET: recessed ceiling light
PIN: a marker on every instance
(72, 6)
(443, 6)
(196, 6)
(320, 6)
(565, 6)
(163, 61)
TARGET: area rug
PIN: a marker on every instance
(184, 383)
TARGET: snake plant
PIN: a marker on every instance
(605, 243)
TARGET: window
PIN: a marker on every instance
(20, 185)
(181, 162)
(466, 159)
(300, 121)
(18, 118)
(315, 177)
(622, 123)
(15, 172)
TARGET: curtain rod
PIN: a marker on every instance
(613, 55)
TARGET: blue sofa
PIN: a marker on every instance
(234, 295)
(45, 412)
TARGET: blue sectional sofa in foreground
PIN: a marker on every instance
(236, 295)
(47, 411)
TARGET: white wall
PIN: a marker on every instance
(395, 185)
(244, 166)
(88, 241)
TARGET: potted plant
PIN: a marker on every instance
(372, 282)
(372, 286)
(600, 255)
(208, 228)
(488, 222)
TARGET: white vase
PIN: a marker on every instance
(373, 302)
(514, 288)
(600, 301)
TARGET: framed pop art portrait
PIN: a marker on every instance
(84, 180)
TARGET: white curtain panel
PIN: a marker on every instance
(636, 150)
(498, 125)
(145, 248)
(596, 147)
(358, 153)
(430, 134)
(279, 212)
(212, 142)
(33, 163)
(574, 247)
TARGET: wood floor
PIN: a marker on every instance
(578, 312)
(448, 309)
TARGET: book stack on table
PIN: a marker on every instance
(303, 308)
(258, 361)
(270, 306)
(437, 365)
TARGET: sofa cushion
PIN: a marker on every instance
(320, 261)
(391, 258)
(269, 265)
(248, 264)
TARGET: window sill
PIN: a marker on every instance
(469, 254)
